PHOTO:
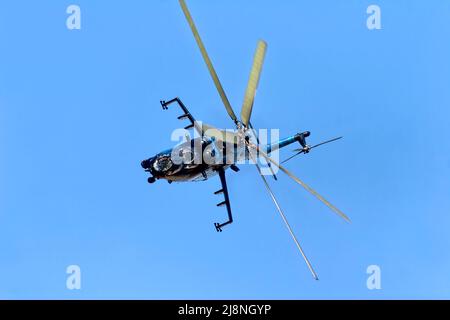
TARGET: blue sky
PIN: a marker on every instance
(80, 109)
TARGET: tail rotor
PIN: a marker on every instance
(306, 148)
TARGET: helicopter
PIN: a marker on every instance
(216, 150)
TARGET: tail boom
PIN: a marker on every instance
(299, 137)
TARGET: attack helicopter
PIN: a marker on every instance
(216, 150)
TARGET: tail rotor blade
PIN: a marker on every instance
(272, 195)
(328, 141)
(304, 185)
(253, 81)
(296, 154)
(208, 61)
(299, 151)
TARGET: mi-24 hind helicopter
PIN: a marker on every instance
(216, 144)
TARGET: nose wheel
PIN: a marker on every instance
(151, 180)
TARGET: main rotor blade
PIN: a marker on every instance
(219, 134)
(208, 61)
(272, 195)
(304, 185)
(253, 81)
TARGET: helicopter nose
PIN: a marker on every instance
(146, 163)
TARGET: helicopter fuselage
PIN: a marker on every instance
(202, 158)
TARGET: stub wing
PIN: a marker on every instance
(202, 128)
(226, 202)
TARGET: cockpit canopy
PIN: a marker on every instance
(162, 164)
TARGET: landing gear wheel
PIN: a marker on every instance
(151, 180)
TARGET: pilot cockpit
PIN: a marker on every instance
(162, 164)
